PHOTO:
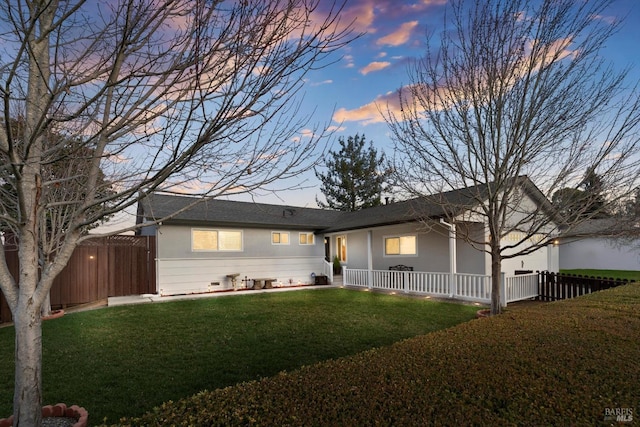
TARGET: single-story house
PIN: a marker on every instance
(600, 244)
(221, 244)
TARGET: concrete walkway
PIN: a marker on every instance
(150, 298)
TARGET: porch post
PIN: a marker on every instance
(369, 259)
(452, 257)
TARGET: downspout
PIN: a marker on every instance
(452, 257)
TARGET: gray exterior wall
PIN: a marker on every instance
(432, 256)
(184, 271)
(175, 242)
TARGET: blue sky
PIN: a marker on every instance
(372, 69)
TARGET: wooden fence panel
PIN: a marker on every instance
(98, 268)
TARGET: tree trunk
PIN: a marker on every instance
(496, 277)
(45, 310)
(27, 397)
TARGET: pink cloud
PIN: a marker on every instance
(372, 112)
(374, 66)
(400, 36)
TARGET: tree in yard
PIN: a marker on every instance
(149, 96)
(355, 177)
(512, 89)
(584, 202)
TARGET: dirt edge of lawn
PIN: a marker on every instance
(568, 362)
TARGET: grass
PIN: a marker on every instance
(123, 361)
(616, 274)
(572, 362)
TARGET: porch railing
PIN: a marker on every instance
(521, 287)
(470, 287)
(327, 270)
(474, 287)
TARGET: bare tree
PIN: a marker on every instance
(155, 95)
(513, 89)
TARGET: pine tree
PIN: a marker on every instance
(355, 177)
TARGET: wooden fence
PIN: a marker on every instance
(99, 268)
(557, 286)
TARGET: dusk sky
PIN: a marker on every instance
(374, 67)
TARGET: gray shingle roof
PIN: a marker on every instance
(246, 214)
(232, 213)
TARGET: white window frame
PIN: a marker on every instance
(309, 236)
(400, 254)
(217, 231)
(280, 234)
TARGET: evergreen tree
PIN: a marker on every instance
(595, 204)
(585, 202)
(355, 177)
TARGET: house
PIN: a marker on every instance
(600, 244)
(215, 243)
(221, 244)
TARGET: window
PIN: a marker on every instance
(216, 240)
(307, 239)
(400, 245)
(341, 248)
(279, 238)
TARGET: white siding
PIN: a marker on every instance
(186, 276)
(539, 260)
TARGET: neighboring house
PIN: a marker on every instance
(599, 244)
(198, 249)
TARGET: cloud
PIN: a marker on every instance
(304, 133)
(324, 82)
(356, 15)
(372, 112)
(349, 60)
(389, 103)
(374, 66)
(400, 36)
(611, 20)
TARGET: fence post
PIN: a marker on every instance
(503, 290)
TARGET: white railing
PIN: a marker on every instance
(471, 287)
(521, 287)
(474, 287)
(327, 268)
(405, 281)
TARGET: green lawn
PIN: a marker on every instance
(123, 361)
(616, 274)
(564, 363)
